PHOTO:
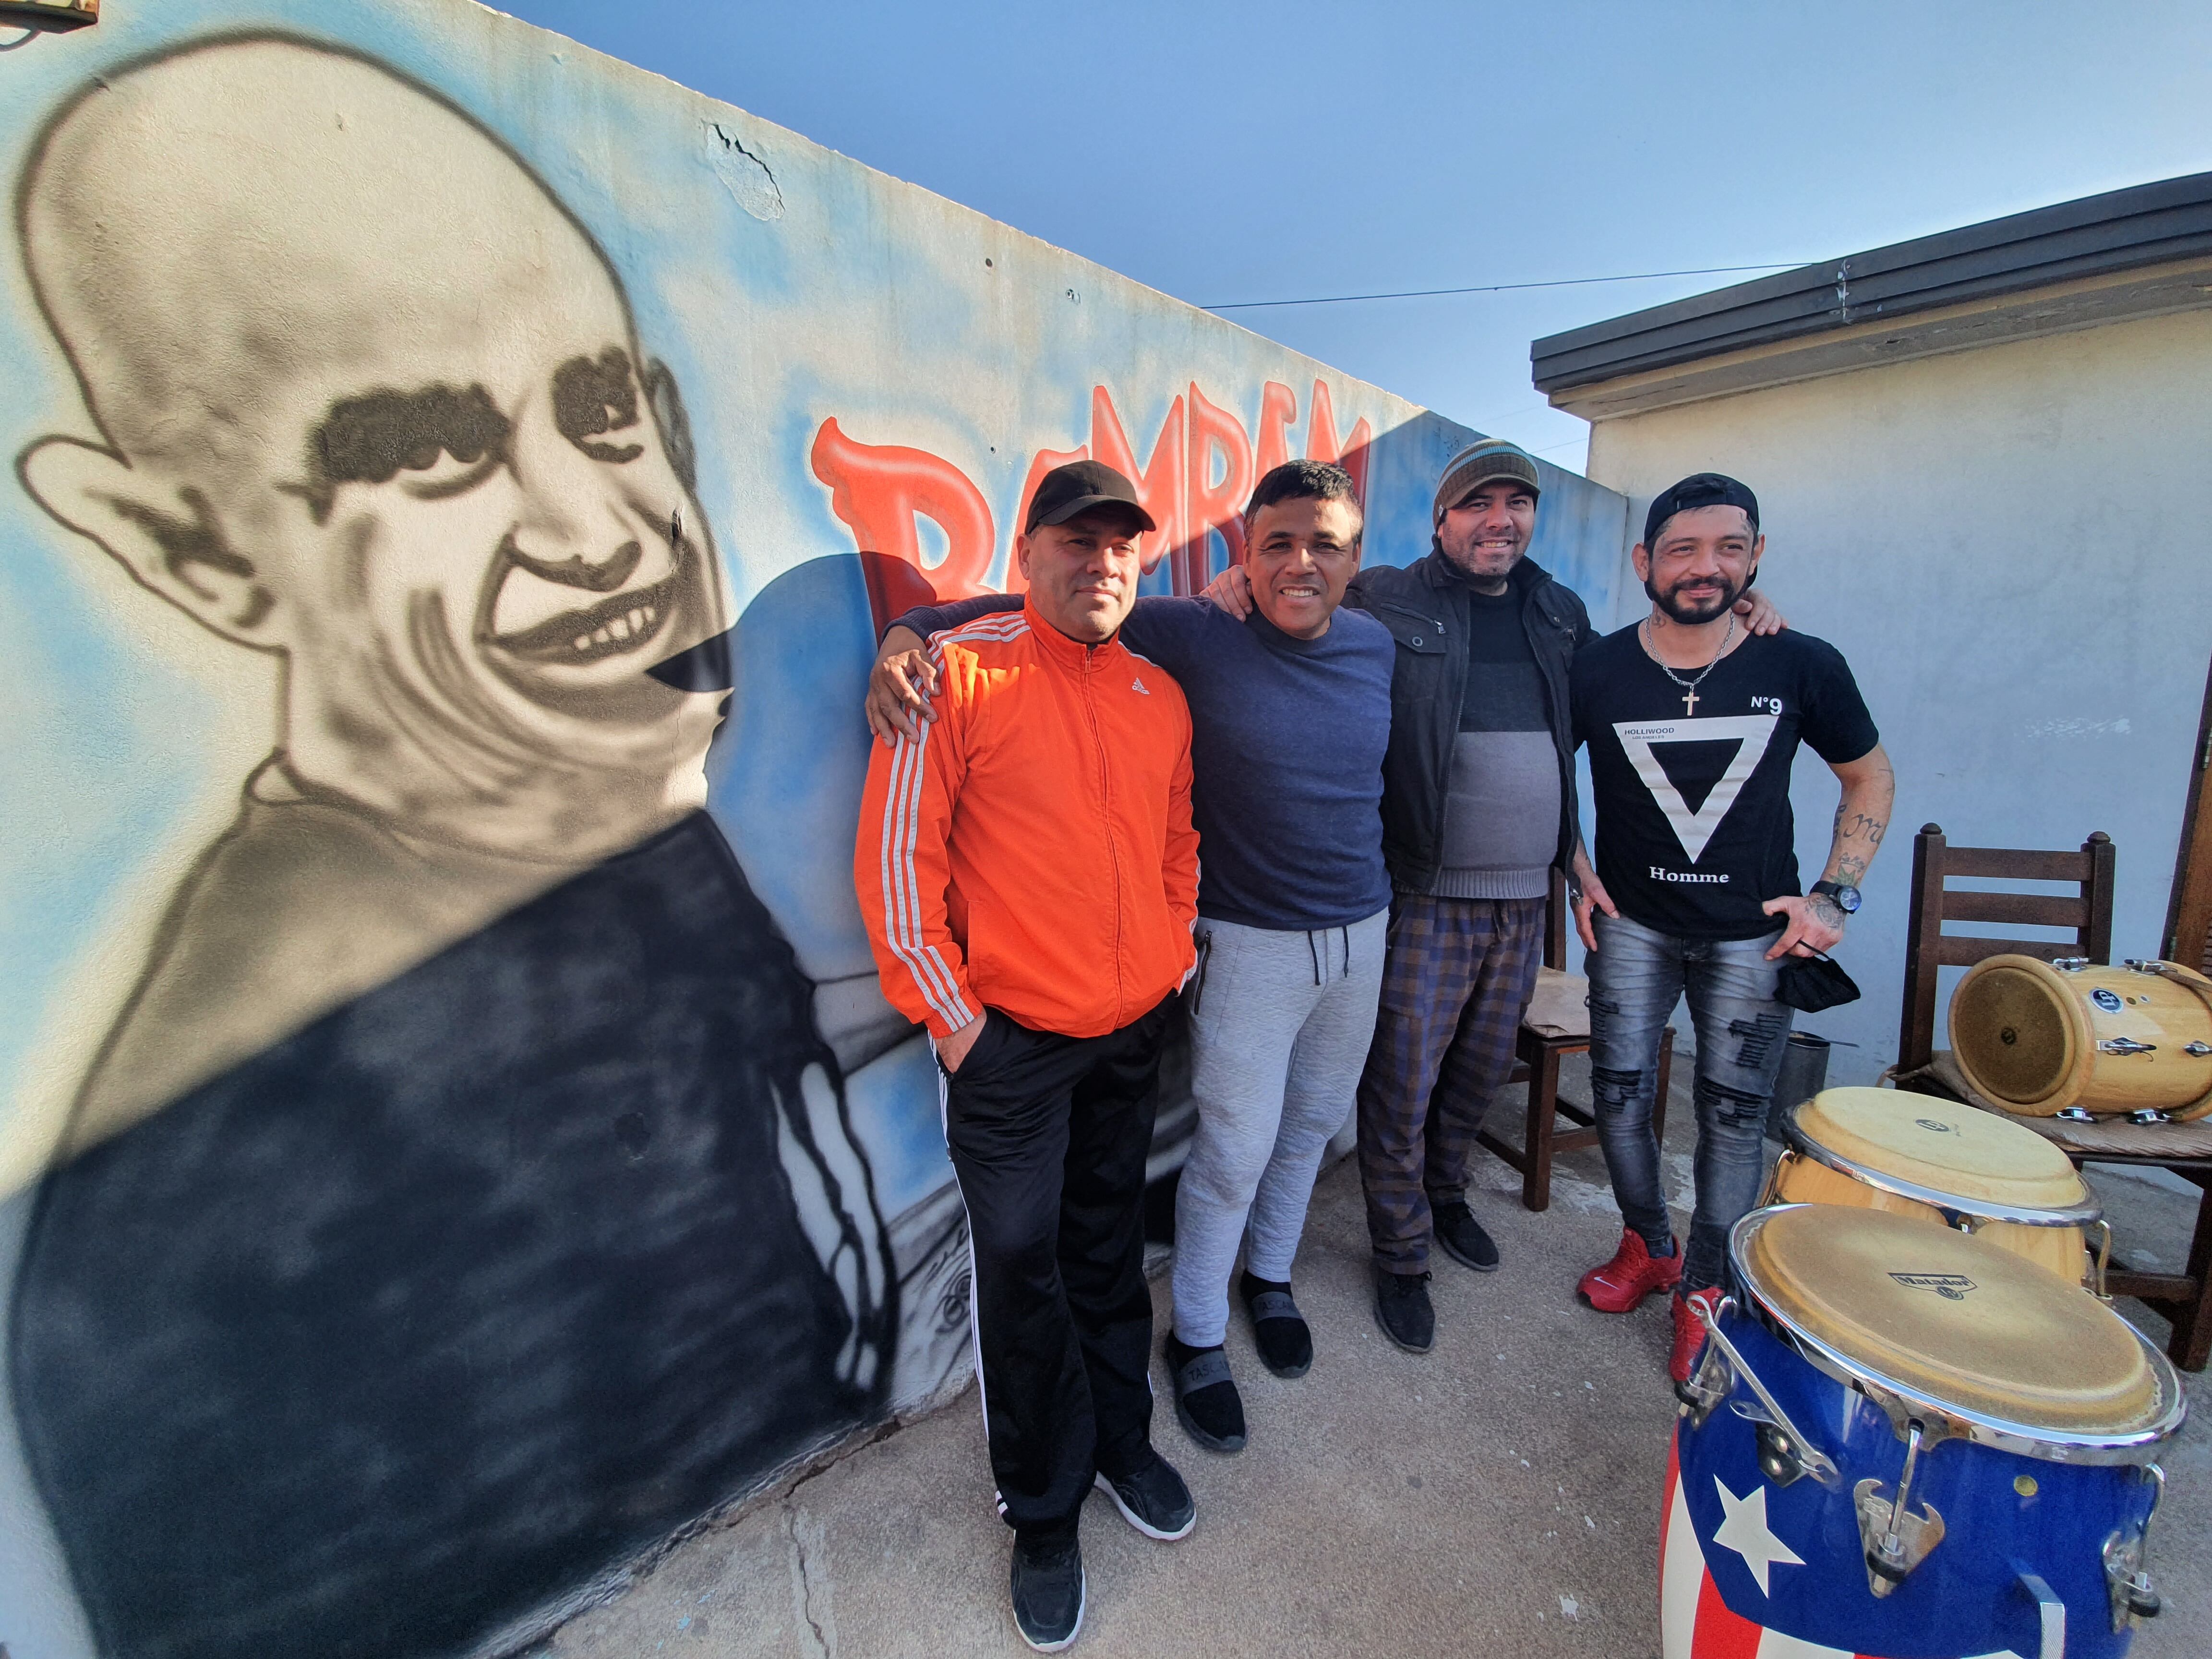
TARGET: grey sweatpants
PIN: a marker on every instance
(1280, 1025)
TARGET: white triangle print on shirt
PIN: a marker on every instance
(1694, 830)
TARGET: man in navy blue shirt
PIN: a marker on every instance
(1290, 716)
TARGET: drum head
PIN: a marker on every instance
(1950, 1317)
(2013, 1030)
(1942, 1146)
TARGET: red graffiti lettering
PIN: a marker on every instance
(1042, 463)
(1195, 486)
(877, 490)
(1278, 407)
(1159, 486)
(1216, 504)
(1321, 444)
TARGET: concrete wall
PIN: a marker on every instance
(2008, 545)
(450, 1132)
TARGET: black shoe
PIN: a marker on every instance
(1279, 1331)
(1153, 1500)
(1049, 1591)
(1462, 1237)
(1402, 1309)
(1206, 1402)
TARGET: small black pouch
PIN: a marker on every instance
(1809, 984)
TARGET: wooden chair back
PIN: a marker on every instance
(1557, 919)
(1928, 949)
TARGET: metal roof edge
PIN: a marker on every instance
(2139, 225)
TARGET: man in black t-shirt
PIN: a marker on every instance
(1692, 726)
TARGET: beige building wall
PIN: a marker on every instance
(2010, 544)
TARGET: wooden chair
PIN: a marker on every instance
(2185, 1299)
(1537, 1057)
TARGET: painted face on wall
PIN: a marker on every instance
(428, 466)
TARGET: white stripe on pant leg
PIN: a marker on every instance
(974, 1319)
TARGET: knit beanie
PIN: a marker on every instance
(1477, 464)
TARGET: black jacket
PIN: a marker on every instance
(1425, 606)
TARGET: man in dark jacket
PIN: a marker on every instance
(1478, 809)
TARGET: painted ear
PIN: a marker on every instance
(166, 536)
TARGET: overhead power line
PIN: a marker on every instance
(1502, 287)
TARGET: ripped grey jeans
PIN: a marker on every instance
(1636, 974)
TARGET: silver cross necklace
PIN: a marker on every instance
(1689, 687)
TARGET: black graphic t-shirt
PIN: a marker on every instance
(1695, 831)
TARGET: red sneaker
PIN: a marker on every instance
(1632, 1274)
(1689, 1332)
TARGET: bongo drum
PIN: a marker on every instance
(2074, 1039)
(1946, 1163)
(1907, 1441)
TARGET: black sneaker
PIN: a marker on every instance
(1206, 1402)
(1402, 1309)
(1463, 1239)
(1153, 1500)
(1279, 1331)
(1049, 1591)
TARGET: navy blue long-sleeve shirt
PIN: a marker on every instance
(1287, 737)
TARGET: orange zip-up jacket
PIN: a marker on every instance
(1032, 851)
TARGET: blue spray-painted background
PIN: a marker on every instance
(786, 287)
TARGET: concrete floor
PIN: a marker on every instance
(1498, 1496)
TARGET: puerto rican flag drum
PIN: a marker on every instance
(1905, 1442)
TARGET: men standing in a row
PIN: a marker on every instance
(1478, 809)
(1693, 726)
(1290, 713)
(1029, 874)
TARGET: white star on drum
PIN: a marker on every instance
(1746, 1533)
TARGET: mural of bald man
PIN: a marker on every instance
(465, 1195)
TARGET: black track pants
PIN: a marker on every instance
(1048, 1136)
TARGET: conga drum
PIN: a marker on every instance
(1946, 1163)
(2077, 1038)
(1905, 1442)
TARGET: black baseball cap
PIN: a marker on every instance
(1700, 489)
(1077, 488)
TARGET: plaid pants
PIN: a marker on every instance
(1456, 982)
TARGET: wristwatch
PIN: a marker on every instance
(1846, 899)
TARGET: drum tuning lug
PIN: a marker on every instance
(2148, 1115)
(2075, 1114)
(2127, 1571)
(1896, 1538)
(2126, 1046)
(1777, 1456)
(2138, 965)
(1807, 1458)
(2069, 964)
(2196, 1050)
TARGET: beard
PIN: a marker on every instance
(1705, 608)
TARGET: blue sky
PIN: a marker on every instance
(1224, 152)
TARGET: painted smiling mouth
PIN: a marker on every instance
(622, 623)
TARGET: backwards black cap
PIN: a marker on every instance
(1077, 488)
(1700, 489)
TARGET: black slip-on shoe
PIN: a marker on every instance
(1463, 1238)
(1402, 1309)
(1153, 1499)
(1049, 1591)
(1279, 1331)
(1206, 1402)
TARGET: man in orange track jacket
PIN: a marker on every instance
(1029, 874)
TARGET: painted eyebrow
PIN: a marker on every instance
(594, 395)
(373, 438)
